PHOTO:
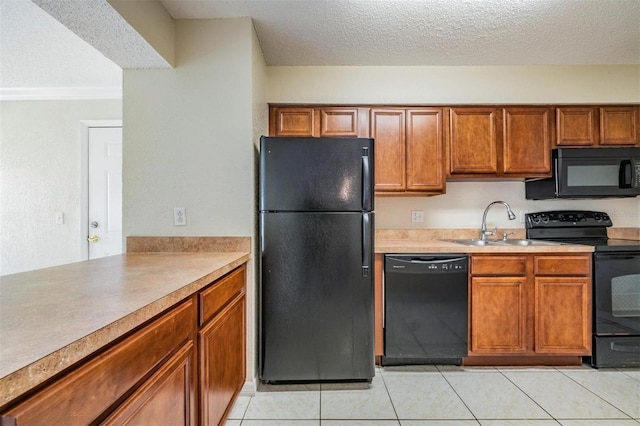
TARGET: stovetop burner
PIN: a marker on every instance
(577, 227)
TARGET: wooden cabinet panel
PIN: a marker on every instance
(292, 122)
(473, 141)
(499, 265)
(619, 125)
(562, 265)
(527, 141)
(83, 395)
(339, 122)
(545, 310)
(213, 298)
(563, 315)
(425, 160)
(166, 398)
(576, 126)
(498, 315)
(222, 358)
(388, 131)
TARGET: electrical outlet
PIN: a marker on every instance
(179, 216)
(58, 218)
(417, 216)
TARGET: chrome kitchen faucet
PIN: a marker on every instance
(483, 230)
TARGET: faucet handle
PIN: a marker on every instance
(486, 233)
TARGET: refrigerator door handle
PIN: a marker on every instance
(366, 180)
(366, 244)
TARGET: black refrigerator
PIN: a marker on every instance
(316, 243)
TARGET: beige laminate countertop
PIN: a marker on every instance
(438, 246)
(54, 317)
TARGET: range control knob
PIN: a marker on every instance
(597, 217)
(535, 218)
(545, 218)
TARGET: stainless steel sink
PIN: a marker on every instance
(470, 242)
(526, 242)
(513, 242)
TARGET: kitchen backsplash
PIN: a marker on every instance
(464, 203)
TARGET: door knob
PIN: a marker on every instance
(93, 238)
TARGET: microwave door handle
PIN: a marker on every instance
(626, 174)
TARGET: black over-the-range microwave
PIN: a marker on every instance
(589, 173)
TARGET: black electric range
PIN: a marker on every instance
(616, 281)
(577, 227)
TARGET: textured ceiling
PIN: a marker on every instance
(38, 51)
(434, 32)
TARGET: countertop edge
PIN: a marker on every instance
(29, 377)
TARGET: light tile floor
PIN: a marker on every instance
(453, 396)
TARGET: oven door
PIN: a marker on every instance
(616, 294)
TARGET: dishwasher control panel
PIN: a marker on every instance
(425, 264)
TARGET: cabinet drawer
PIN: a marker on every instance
(87, 392)
(220, 293)
(498, 265)
(562, 265)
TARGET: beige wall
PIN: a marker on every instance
(464, 202)
(190, 136)
(40, 168)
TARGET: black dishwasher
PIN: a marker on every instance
(426, 314)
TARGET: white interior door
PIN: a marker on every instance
(105, 191)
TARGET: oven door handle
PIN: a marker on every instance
(621, 347)
(607, 256)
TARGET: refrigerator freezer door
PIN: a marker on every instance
(317, 304)
(316, 174)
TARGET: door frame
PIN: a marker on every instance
(85, 125)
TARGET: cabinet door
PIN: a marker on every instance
(425, 171)
(527, 141)
(344, 122)
(498, 315)
(388, 131)
(576, 126)
(167, 397)
(473, 141)
(292, 121)
(619, 125)
(563, 315)
(222, 361)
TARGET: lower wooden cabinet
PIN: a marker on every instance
(150, 377)
(526, 305)
(167, 397)
(222, 362)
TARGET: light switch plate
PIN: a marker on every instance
(417, 216)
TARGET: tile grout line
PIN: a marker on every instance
(389, 395)
(459, 397)
(593, 393)
(528, 396)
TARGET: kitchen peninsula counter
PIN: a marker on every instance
(52, 318)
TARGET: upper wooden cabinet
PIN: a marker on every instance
(388, 131)
(408, 150)
(319, 121)
(499, 142)
(597, 126)
(527, 141)
(619, 125)
(292, 121)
